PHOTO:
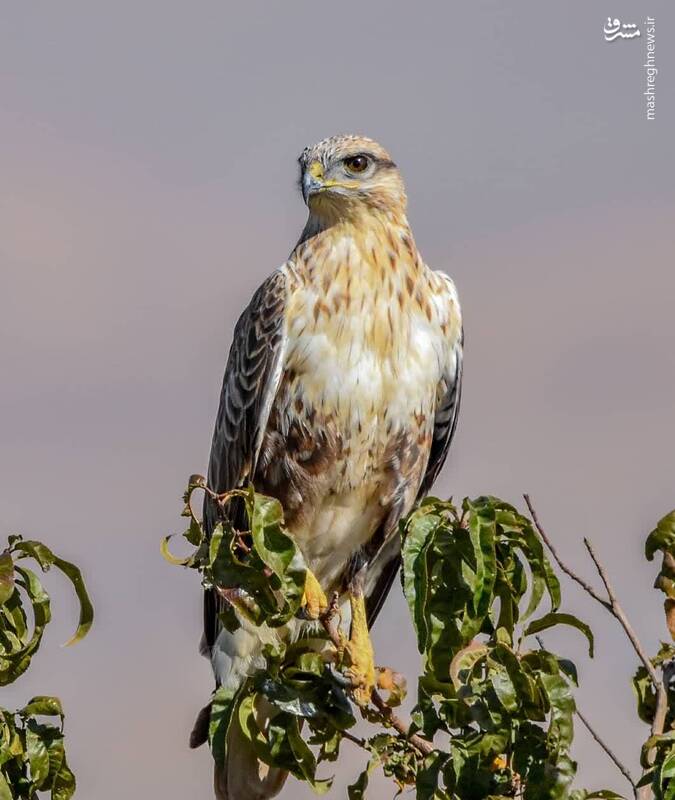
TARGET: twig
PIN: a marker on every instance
(355, 739)
(623, 770)
(584, 585)
(424, 746)
(390, 718)
(659, 723)
(611, 604)
(616, 609)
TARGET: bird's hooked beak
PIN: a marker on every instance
(312, 180)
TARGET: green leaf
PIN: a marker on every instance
(32, 549)
(169, 556)
(504, 689)
(222, 706)
(541, 570)
(562, 711)
(64, 783)
(418, 535)
(43, 706)
(522, 680)
(305, 759)
(6, 577)
(279, 553)
(557, 618)
(357, 790)
(662, 537)
(36, 751)
(569, 669)
(86, 608)
(645, 694)
(482, 530)
(57, 758)
(428, 774)
(654, 742)
(194, 533)
(668, 766)
(465, 660)
(17, 646)
(287, 699)
(15, 621)
(5, 791)
(15, 664)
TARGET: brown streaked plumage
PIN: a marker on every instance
(340, 398)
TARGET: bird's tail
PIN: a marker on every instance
(243, 776)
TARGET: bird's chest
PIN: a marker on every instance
(363, 362)
(350, 428)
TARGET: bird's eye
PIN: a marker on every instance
(356, 163)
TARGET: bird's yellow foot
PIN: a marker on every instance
(359, 652)
(314, 600)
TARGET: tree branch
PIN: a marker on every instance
(659, 725)
(616, 609)
(355, 739)
(423, 745)
(567, 570)
(622, 769)
(611, 604)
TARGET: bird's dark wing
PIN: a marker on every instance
(445, 422)
(250, 384)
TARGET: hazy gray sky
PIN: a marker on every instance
(148, 163)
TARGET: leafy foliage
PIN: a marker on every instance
(658, 752)
(662, 537)
(32, 753)
(505, 703)
(261, 571)
(494, 711)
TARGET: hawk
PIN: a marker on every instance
(340, 399)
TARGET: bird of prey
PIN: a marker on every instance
(340, 399)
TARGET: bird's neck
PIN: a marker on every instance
(355, 220)
(370, 250)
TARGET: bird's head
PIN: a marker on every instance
(343, 175)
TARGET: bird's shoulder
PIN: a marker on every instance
(445, 299)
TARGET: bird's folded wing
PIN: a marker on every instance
(445, 419)
(250, 384)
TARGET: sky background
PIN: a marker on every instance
(148, 168)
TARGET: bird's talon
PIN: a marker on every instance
(314, 600)
(362, 684)
(359, 652)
